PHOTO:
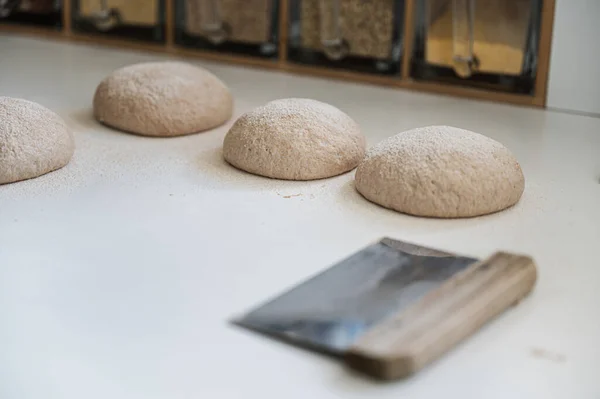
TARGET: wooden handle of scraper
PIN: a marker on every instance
(405, 343)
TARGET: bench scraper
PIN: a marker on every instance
(393, 307)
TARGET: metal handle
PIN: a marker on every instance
(105, 18)
(211, 21)
(463, 31)
(334, 45)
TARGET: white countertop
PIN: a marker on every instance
(118, 273)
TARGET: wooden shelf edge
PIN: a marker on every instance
(408, 37)
(284, 66)
(283, 32)
(471, 93)
(418, 86)
(66, 17)
(35, 31)
(226, 58)
(169, 22)
(544, 52)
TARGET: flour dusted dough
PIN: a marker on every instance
(441, 171)
(162, 99)
(295, 139)
(33, 140)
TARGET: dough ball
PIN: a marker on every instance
(162, 99)
(33, 140)
(294, 139)
(441, 171)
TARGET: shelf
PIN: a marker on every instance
(403, 81)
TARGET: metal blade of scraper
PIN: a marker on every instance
(333, 310)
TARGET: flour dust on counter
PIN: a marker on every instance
(441, 171)
(33, 140)
(162, 99)
(295, 139)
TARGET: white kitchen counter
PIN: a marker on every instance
(119, 273)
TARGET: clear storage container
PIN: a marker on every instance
(247, 27)
(32, 12)
(487, 43)
(132, 19)
(360, 35)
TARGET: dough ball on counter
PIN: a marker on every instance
(295, 139)
(33, 140)
(162, 99)
(441, 171)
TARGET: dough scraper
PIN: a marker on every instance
(394, 307)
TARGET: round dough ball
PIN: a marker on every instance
(441, 171)
(162, 99)
(295, 139)
(33, 140)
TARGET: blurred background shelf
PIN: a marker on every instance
(496, 50)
